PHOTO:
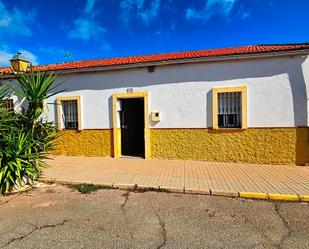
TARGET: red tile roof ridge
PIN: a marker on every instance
(169, 56)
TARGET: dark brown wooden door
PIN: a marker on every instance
(132, 127)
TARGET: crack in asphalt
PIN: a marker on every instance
(7, 201)
(286, 225)
(122, 206)
(36, 228)
(162, 225)
(126, 196)
(264, 234)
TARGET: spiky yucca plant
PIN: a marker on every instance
(25, 139)
(19, 161)
(35, 88)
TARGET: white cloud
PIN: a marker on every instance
(52, 50)
(29, 56)
(89, 6)
(145, 10)
(16, 21)
(245, 15)
(6, 56)
(85, 28)
(211, 8)
(106, 47)
(57, 53)
(243, 12)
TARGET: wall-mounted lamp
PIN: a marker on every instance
(19, 63)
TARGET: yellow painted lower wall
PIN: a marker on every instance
(84, 143)
(254, 145)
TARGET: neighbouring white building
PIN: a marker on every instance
(243, 104)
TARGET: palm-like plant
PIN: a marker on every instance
(25, 139)
(35, 88)
(19, 161)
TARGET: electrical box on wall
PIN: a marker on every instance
(155, 116)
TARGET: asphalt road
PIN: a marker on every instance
(59, 217)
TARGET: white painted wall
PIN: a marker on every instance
(305, 69)
(277, 92)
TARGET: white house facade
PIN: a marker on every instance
(240, 106)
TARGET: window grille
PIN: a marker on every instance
(69, 114)
(9, 105)
(229, 110)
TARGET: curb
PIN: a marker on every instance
(254, 195)
(144, 188)
(224, 193)
(122, 186)
(304, 198)
(172, 189)
(274, 197)
(197, 191)
(281, 197)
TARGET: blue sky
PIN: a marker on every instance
(66, 30)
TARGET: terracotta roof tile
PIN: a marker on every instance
(166, 57)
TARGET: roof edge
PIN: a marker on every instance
(170, 61)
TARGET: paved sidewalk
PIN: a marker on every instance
(190, 176)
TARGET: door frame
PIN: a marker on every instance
(117, 130)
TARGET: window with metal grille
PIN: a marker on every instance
(9, 105)
(69, 114)
(229, 110)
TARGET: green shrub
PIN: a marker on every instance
(25, 139)
(19, 161)
(87, 188)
